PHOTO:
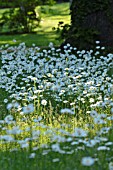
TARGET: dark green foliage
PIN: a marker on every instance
(62, 29)
(16, 21)
(90, 21)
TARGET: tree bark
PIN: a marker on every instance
(99, 21)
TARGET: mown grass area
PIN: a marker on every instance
(50, 17)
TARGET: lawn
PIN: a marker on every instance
(56, 106)
(50, 17)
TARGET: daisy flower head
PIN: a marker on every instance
(112, 110)
(28, 109)
(44, 102)
(87, 161)
(32, 155)
(5, 100)
(51, 45)
(97, 42)
(111, 166)
(79, 132)
(9, 106)
(98, 120)
(66, 110)
(8, 119)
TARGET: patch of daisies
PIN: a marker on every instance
(49, 91)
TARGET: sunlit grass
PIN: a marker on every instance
(44, 33)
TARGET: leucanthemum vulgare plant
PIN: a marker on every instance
(60, 101)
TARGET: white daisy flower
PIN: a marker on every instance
(111, 166)
(87, 161)
(28, 109)
(44, 102)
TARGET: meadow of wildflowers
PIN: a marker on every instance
(59, 108)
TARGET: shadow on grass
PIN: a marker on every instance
(3, 110)
(19, 160)
(40, 39)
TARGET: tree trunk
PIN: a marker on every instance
(90, 21)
